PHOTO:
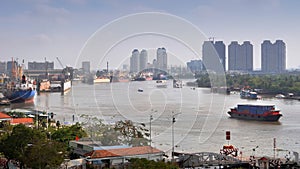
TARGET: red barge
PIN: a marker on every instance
(255, 112)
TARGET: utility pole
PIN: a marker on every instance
(151, 118)
(173, 121)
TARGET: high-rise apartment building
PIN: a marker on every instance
(135, 61)
(240, 57)
(213, 53)
(86, 67)
(162, 60)
(273, 57)
(143, 60)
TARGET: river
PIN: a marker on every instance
(201, 116)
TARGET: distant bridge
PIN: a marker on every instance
(186, 160)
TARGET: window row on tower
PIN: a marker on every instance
(240, 56)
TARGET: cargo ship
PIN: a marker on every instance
(255, 112)
(20, 92)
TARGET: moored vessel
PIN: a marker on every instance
(248, 94)
(102, 80)
(161, 84)
(19, 92)
(255, 112)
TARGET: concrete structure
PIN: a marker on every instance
(240, 57)
(162, 59)
(213, 53)
(273, 57)
(3, 67)
(221, 50)
(9, 67)
(41, 65)
(143, 60)
(117, 157)
(134, 61)
(195, 66)
(81, 147)
(86, 67)
(109, 156)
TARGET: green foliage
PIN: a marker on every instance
(14, 146)
(67, 133)
(273, 84)
(45, 154)
(136, 163)
(30, 147)
(16, 114)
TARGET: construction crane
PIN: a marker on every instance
(60, 63)
(66, 71)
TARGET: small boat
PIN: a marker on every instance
(140, 90)
(177, 83)
(102, 79)
(161, 84)
(280, 96)
(255, 112)
(103, 76)
(248, 94)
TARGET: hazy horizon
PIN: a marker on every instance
(34, 30)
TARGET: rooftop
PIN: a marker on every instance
(4, 117)
(21, 121)
(131, 151)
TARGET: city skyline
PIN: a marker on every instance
(233, 57)
(33, 30)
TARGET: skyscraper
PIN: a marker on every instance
(162, 60)
(143, 60)
(273, 57)
(212, 53)
(220, 48)
(86, 66)
(135, 61)
(240, 57)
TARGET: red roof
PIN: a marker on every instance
(123, 152)
(4, 116)
(21, 121)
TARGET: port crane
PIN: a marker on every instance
(66, 70)
(60, 62)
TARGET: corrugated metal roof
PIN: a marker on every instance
(123, 152)
(21, 121)
(4, 116)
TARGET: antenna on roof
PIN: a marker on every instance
(212, 39)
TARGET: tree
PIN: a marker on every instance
(45, 154)
(31, 147)
(14, 146)
(133, 134)
(65, 134)
(98, 131)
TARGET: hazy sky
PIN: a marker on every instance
(39, 29)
